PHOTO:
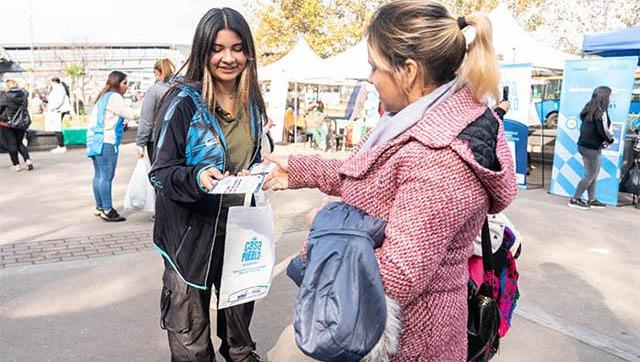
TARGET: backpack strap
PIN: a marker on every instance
(487, 252)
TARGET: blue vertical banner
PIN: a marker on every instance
(580, 78)
(517, 135)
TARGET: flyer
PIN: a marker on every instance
(238, 185)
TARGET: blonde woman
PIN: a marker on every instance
(432, 168)
(163, 71)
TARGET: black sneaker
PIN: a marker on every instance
(251, 357)
(111, 216)
(595, 204)
(578, 204)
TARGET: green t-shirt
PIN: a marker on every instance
(240, 149)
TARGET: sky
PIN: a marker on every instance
(99, 21)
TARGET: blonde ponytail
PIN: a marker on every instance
(479, 70)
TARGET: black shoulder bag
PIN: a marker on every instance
(20, 120)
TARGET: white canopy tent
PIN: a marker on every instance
(514, 45)
(297, 65)
(351, 64)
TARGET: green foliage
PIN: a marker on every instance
(74, 71)
(329, 26)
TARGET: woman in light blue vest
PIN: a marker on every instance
(105, 129)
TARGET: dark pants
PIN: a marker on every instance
(104, 166)
(591, 161)
(185, 315)
(59, 136)
(13, 138)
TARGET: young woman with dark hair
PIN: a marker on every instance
(433, 167)
(105, 129)
(210, 125)
(594, 136)
(59, 101)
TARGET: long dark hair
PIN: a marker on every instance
(598, 104)
(248, 90)
(113, 83)
(64, 85)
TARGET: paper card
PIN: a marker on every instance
(238, 185)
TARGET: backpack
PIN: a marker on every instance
(631, 181)
(498, 292)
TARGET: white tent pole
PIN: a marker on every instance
(295, 111)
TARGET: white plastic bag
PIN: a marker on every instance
(140, 194)
(249, 254)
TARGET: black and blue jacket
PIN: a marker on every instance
(189, 140)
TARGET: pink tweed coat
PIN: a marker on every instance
(434, 196)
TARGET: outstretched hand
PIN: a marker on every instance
(278, 179)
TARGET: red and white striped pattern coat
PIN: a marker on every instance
(434, 196)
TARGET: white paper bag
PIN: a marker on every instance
(249, 255)
(53, 121)
(140, 194)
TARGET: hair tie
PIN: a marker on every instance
(462, 23)
(469, 33)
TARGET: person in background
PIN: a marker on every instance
(10, 102)
(163, 71)
(595, 134)
(316, 126)
(210, 125)
(105, 129)
(59, 101)
(433, 167)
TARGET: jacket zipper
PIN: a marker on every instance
(215, 231)
(346, 232)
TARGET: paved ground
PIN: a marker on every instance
(579, 270)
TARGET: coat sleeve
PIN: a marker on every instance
(603, 129)
(170, 174)
(117, 106)
(3, 103)
(429, 211)
(315, 172)
(145, 125)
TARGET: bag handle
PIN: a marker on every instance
(487, 252)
